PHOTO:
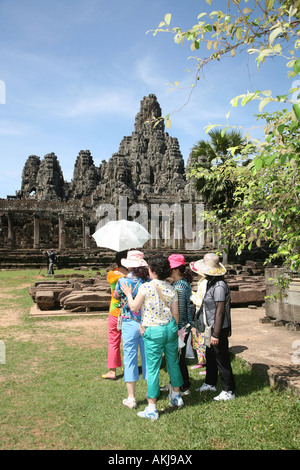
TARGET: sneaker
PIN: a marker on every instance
(176, 401)
(185, 393)
(165, 389)
(225, 396)
(152, 415)
(207, 388)
(130, 403)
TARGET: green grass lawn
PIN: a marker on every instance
(52, 395)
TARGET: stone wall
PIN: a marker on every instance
(287, 309)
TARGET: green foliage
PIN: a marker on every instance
(207, 163)
(267, 29)
(265, 202)
(264, 29)
(264, 207)
(281, 282)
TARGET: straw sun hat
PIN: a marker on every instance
(209, 265)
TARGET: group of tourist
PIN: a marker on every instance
(150, 307)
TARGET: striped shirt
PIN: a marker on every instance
(183, 289)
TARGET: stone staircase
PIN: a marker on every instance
(94, 258)
(37, 259)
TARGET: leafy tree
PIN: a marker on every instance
(212, 156)
(212, 166)
(266, 196)
(266, 30)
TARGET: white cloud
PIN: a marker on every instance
(102, 102)
(146, 71)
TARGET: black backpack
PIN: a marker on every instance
(53, 257)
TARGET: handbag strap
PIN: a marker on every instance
(161, 295)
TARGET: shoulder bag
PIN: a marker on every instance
(199, 322)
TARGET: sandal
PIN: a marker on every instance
(198, 366)
(108, 378)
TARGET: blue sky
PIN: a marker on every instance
(75, 72)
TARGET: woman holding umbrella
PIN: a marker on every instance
(118, 235)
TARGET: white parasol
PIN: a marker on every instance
(121, 235)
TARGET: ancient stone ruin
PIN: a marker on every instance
(76, 294)
(148, 171)
(49, 212)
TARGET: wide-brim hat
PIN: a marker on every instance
(210, 265)
(135, 259)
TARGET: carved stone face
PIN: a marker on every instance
(149, 160)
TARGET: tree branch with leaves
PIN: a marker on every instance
(265, 202)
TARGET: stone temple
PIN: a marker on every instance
(147, 172)
(144, 181)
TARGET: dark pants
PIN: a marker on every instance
(218, 361)
(184, 369)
